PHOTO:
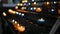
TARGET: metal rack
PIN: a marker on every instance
(55, 27)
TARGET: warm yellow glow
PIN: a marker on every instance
(23, 1)
(15, 22)
(20, 4)
(16, 7)
(58, 11)
(4, 14)
(18, 27)
(34, 3)
(47, 3)
(22, 8)
(21, 29)
(11, 11)
(38, 10)
(22, 11)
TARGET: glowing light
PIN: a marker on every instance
(24, 4)
(32, 0)
(21, 28)
(16, 7)
(34, 8)
(38, 9)
(52, 9)
(24, 1)
(34, 3)
(23, 8)
(20, 4)
(55, 2)
(47, 3)
(11, 11)
(17, 12)
(4, 14)
(31, 8)
(18, 24)
(13, 20)
(29, 3)
(22, 14)
(41, 20)
(58, 11)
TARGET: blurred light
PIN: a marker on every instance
(34, 3)
(23, 8)
(41, 20)
(58, 11)
(20, 4)
(11, 11)
(25, 4)
(47, 3)
(24, 1)
(17, 12)
(18, 24)
(55, 2)
(31, 8)
(32, 0)
(52, 9)
(21, 29)
(13, 20)
(34, 8)
(29, 3)
(4, 14)
(18, 27)
(16, 7)
(38, 9)
(22, 14)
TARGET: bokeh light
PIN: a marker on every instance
(58, 11)
(4, 14)
(41, 21)
(38, 9)
(11, 11)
